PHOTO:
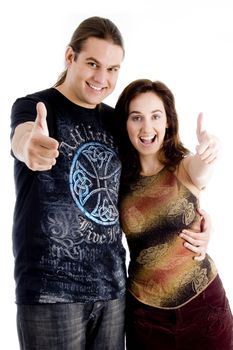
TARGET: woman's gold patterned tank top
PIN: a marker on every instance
(162, 272)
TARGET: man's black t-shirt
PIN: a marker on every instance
(67, 238)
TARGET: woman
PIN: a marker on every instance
(174, 301)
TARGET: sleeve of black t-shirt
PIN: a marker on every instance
(23, 110)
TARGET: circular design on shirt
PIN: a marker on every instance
(94, 182)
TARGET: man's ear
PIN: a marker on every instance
(69, 56)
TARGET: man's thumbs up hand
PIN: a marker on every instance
(40, 150)
(40, 124)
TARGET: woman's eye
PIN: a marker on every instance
(136, 118)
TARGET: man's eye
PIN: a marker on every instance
(92, 64)
(113, 69)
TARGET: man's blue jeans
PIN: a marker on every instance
(77, 326)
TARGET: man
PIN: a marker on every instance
(69, 258)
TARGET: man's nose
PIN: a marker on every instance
(100, 76)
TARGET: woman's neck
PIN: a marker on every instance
(150, 166)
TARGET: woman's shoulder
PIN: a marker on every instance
(183, 176)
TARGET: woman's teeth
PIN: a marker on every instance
(148, 139)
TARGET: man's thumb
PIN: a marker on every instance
(40, 125)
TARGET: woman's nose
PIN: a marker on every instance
(147, 125)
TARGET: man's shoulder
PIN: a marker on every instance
(34, 97)
(27, 103)
(106, 108)
(108, 117)
(24, 108)
(45, 94)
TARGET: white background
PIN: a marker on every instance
(186, 44)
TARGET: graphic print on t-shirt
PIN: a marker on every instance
(93, 180)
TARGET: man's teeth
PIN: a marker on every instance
(95, 87)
